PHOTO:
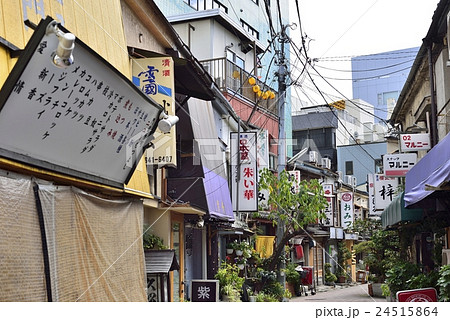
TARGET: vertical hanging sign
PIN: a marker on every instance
(262, 163)
(294, 177)
(372, 207)
(385, 190)
(347, 210)
(155, 78)
(244, 175)
(328, 192)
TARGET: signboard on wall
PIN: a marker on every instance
(397, 165)
(414, 142)
(155, 78)
(244, 171)
(87, 120)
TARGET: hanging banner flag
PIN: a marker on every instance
(155, 78)
(347, 210)
(397, 165)
(244, 171)
(385, 190)
(328, 192)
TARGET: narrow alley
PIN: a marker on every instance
(353, 293)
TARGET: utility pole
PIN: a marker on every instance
(281, 74)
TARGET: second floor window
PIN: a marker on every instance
(250, 29)
(349, 168)
(206, 5)
(233, 57)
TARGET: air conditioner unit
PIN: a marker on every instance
(313, 156)
(341, 175)
(445, 256)
(326, 163)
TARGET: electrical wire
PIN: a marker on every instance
(340, 121)
(366, 70)
(363, 79)
(317, 73)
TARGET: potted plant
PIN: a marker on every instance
(293, 278)
(229, 281)
(240, 262)
(243, 248)
(344, 255)
(330, 278)
(385, 292)
(444, 283)
(230, 294)
(151, 241)
(399, 274)
(230, 247)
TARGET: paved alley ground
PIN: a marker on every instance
(353, 293)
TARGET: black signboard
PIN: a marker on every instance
(205, 290)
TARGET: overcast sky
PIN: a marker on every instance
(345, 28)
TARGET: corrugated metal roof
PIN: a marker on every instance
(160, 261)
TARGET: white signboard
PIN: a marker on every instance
(372, 207)
(244, 176)
(294, 177)
(414, 142)
(328, 192)
(347, 212)
(263, 162)
(87, 120)
(397, 165)
(385, 190)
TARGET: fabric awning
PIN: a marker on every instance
(215, 180)
(432, 170)
(160, 261)
(217, 196)
(396, 212)
(201, 177)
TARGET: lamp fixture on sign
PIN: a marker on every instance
(166, 122)
(62, 57)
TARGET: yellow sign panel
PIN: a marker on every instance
(155, 77)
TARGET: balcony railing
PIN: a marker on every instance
(228, 76)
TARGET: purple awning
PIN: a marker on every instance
(432, 170)
(217, 196)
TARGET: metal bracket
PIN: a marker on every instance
(13, 50)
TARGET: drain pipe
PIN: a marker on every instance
(434, 133)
